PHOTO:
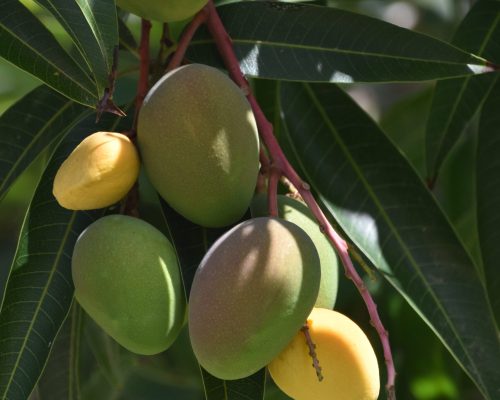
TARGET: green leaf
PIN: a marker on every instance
(312, 43)
(26, 43)
(457, 100)
(488, 194)
(40, 290)
(29, 126)
(367, 186)
(61, 376)
(93, 26)
(251, 388)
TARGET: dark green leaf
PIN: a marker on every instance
(312, 43)
(488, 194)
(29, 126)
(26, 43)
(367, 186)
(93, 26)
(457, 100)
(251, 388)
(61, 378)
(40, 290)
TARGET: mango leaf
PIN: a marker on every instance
(93, 26)
(61, 376)
(29, 126)
(191, 242)
(488, 194)
(26, 43)
(369, 188)
(457, 100)
(40, 290)
(311, 43)
(240, 389)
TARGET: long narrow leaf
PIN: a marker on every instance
(40, 290)
(93, 26)
(457, 100)
(377, 198)
(26, 43)
(488, 194)
(312, 43)
(29, 126)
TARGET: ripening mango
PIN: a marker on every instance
(127, 279)
(251, 293)
(199, 144)
(98, 173)
(162, 10)
(348, 363)
(297, 212)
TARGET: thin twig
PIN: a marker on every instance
(143, 84)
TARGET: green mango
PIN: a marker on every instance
(297, 212)
(251, 294)
(127, 279)
(199, 144)
(162, 10)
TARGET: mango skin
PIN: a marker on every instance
(199, 144)
(251, 293)
(163, 10)
(127, 279)
(297, 212)
(349, 365)
(98, 173)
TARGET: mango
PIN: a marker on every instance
(127, 279)
(199, 145)
(162, 10)
(297, 212)
(98, 173)
(348, 363)
(251, 293)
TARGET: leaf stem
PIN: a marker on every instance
(279, 160)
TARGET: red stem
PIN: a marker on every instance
(225, 48)
(199, 19)
(143, 84)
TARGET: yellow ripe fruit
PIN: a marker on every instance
(98, 173)
(349, 365)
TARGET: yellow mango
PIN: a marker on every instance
(163, 10)
(98, 173)
(348, 363)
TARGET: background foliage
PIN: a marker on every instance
(370, 113)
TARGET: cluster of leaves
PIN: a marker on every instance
(296, 55)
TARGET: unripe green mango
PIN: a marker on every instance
(162, 10)
(297, 212)
(199, 144)
(250, 295)
(127, 279)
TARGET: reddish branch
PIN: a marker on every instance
(143, 84)
(280, 162)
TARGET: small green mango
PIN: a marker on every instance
(162, 10)
(250, 295)
(127, 279)
(297, 212)
(199, 144)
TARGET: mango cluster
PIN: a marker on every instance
(258, 286)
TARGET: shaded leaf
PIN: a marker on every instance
(457, 100)
(488, 194)
(312, 43)
(26, 43)
(367, 186)
(29, 126)
(40, 289)
(251, 388)
(61, 376)
(93, 26)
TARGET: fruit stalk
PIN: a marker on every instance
(143, 85)
(279, 161)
